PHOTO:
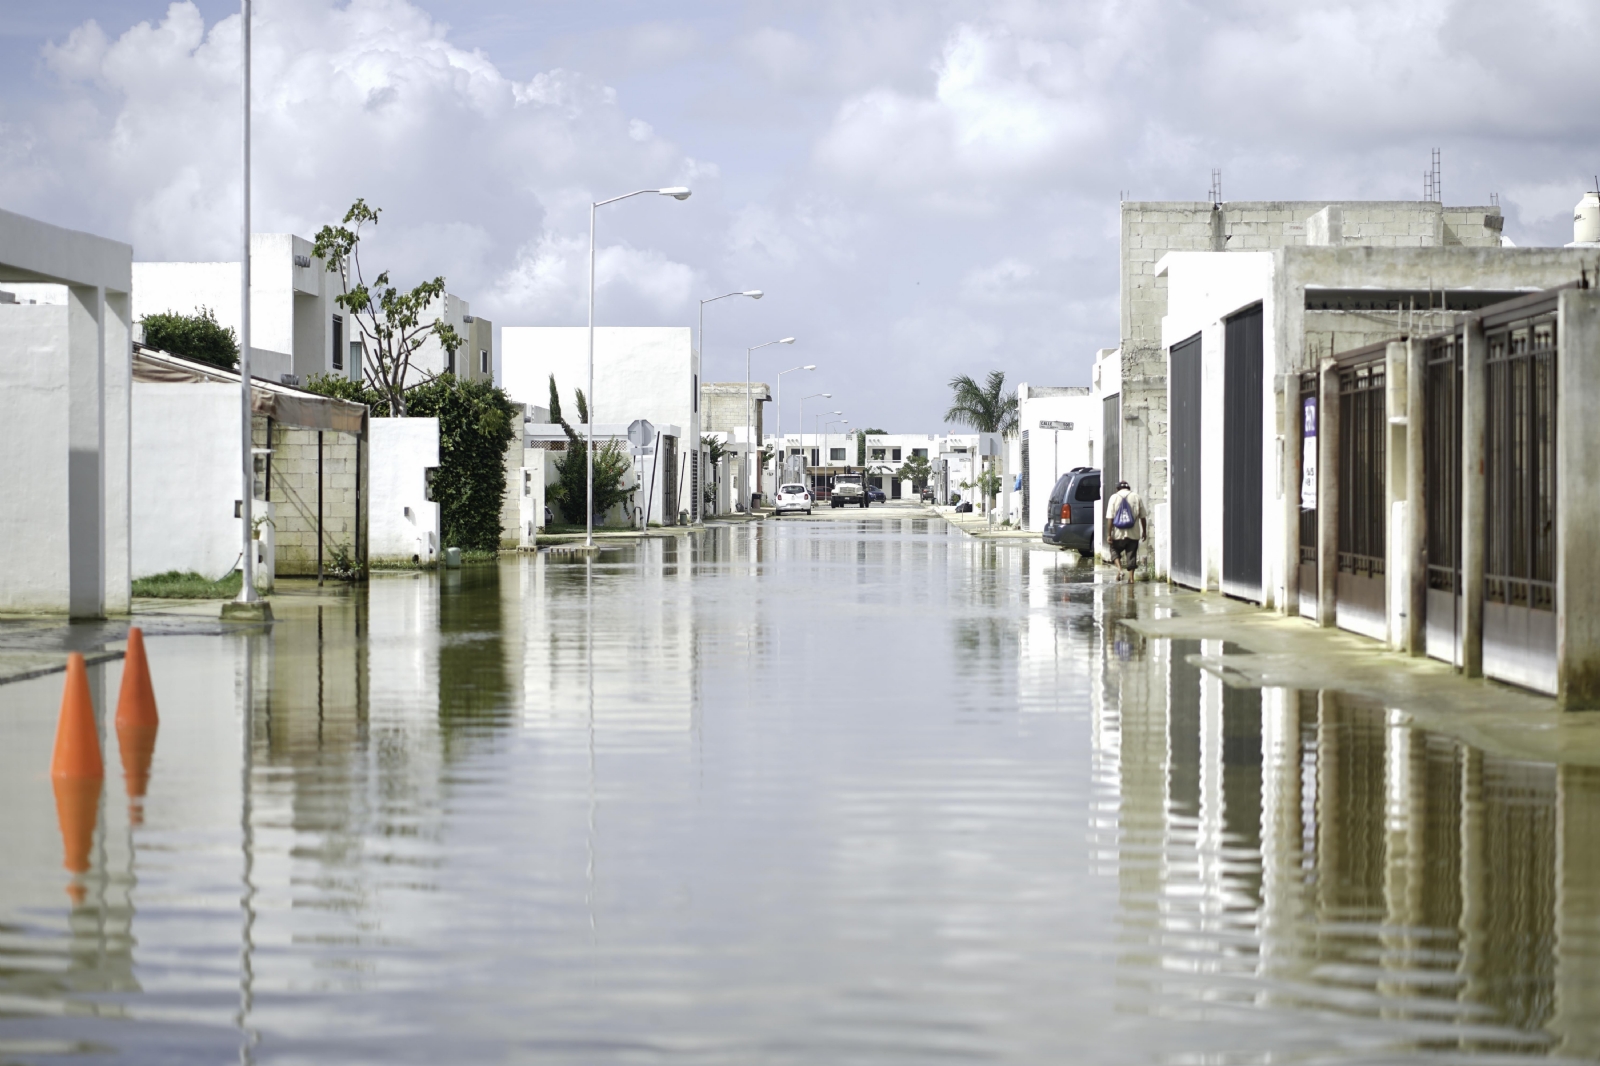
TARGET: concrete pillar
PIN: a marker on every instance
(1474, 492)
(118, 323)
(1327, 494)
(86, 432)
(1416, 548)
(1577, 504)
(1396, 559)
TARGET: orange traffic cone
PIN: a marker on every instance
(77, 751)
(136, 724)
(76, 769)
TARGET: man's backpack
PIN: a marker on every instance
(1122, 517)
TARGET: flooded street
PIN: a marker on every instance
(847, 790)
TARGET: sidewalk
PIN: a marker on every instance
(977, 525)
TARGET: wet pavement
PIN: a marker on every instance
(854, 790)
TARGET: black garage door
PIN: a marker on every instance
(1183, 460)
(1241, 450)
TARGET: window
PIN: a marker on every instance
(920, 453)
(894, 454)
(814, 460)
(338, 342)
(357, 353)
(483, 362)
(880, 453)
(1088, 490)
(835, 455)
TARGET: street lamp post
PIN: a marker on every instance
(677, 192)
(754, 294)
(750, 417)
(247, 557)
(791, 370)
(803, 400)
(827, 430)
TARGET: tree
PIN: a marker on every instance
(390, 320)
(861, 444)
(611, 466)
(715, 453)
(916, 470)
(196, 337)
(987, 408)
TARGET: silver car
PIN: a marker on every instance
(793, 497)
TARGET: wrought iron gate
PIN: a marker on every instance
(1441, 493)
(1242, 402)
(1027, 511)
(1519, 620)
(1308, 495)
(1183, 461)
(1363, 494)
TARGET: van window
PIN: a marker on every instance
(1088, 489)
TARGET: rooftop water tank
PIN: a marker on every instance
(1586, 219)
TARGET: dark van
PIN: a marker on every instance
(1069, 520)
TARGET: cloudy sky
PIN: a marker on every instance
(923, 188)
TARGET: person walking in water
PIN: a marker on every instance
(1125, 528)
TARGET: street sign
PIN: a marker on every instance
(642, 435)
(1049, 423)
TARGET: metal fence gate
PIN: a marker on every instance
(1242, 449)
(1519, 619)
(1111, 433)
(1441, 493)
(1363, 495)
(1308, 495)
(1183, 461)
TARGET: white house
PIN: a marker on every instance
(65, 374)
(640, 372)
(1057, 427)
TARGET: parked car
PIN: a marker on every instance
(848, 488)
(927, 494)
(1069, 517)
(876, 495)
(793, 497)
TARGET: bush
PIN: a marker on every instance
(187, 585)
(476, 423)
(196, 337)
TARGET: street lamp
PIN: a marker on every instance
(791, 370)
(749, 411)
(754, 294)
(247, 556)
(803, 400)
(828, 435)
(677, 192)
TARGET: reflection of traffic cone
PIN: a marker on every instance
(77, 809)
(136, 724)
(76, 769)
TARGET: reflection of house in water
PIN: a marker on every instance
(1328, 855)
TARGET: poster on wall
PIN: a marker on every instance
(1308, 456)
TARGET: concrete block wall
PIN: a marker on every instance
(293, 493)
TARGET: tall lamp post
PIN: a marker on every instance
(247, 556)
(749, 413)
(754, 294)
(781, 445)
(677, 192)
(803, 400)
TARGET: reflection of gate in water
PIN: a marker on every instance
(1441, 491)
(1519, 621)
(1363, 494)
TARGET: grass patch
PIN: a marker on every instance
(181, 585)
(479, 555)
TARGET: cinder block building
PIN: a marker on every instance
(1134, 431)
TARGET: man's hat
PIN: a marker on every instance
(1123, 485)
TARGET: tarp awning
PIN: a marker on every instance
(284, 404)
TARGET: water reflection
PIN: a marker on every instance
(859, 790)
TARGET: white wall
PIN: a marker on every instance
(33, 402)
(401, 521)
(1053, 452)
(186, 478)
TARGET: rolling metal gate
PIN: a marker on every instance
(1363, 495)
(1241, 450)
(1183, 463)
(1308, 495)
(1519, 618)
(1026, 510)
(1441, 492)
(1111, 429)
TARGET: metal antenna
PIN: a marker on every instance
(1216, 186)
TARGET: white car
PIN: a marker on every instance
(793, 498)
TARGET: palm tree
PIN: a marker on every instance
(987, 408)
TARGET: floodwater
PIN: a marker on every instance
(851, 790)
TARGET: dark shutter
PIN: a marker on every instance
(1242, 400)
(1183, 461)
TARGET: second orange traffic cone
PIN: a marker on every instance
(136, 724)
